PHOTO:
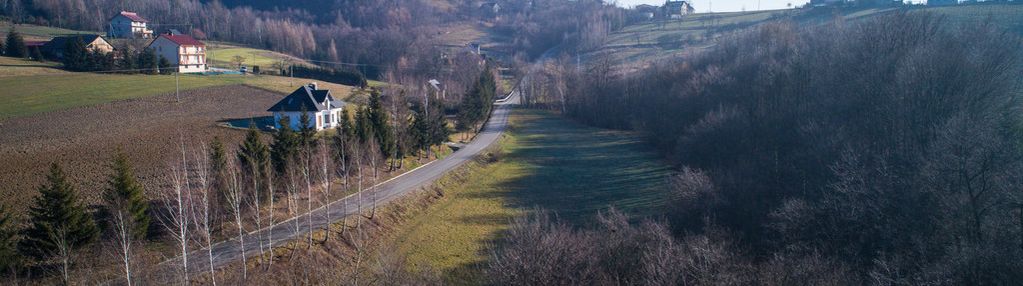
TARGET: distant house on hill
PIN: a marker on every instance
(648, 11)
(183, 51)
(323, 110)
(677, 9)
(54, 49)
(128, 25)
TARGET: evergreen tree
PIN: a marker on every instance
(3, 49)
(254, 156)
(218, 170)
(147, 61)
(378, 119)
(306, 132)
(345, 123)
(76, 55)
(478, 101)
(362, 125)
(126, 194)
(285, 146)
(37, 54)
(15, 46)
(56, 215)
(8, 252)
(165, 66)
(129, 59)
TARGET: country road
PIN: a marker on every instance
(229, 251)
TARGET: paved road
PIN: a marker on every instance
(283, 232)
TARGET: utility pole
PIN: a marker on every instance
(177, 85)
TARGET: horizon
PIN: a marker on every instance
(704, 6)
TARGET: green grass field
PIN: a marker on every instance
(35, 32)
(31, 87)
(222, 55)
(546, 162)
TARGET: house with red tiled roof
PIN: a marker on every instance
(128, 25)
(182, 51)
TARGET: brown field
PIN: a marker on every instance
(149, 129)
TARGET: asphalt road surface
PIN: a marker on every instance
(229, 251)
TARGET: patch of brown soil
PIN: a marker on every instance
(150, 130)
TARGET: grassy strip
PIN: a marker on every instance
(543, 161)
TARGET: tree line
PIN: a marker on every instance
(213, 194)
(874, 151)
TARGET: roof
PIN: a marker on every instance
(132, 16)
(182, 40)
(58, 43)
(306, 98)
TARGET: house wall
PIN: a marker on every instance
(123, 27)
(100, 45)
(189, 59)
(321, 120)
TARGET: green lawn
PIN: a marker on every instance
(222, 55)
(34, 32)
(547, 162)
(31, 87)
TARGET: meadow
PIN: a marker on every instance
(544, 162)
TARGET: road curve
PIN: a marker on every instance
(229, 251)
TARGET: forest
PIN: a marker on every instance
(375, 36)
(881, 151)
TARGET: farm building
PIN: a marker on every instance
(321, 107)
(128, 25)
(183, 51)
(54, 49)
(677, 9)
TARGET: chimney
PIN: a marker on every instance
(312, 85)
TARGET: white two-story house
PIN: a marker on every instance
(323, 110)
(183, 51)
(128, 25)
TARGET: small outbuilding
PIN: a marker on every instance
(54, 49)
(323, 110)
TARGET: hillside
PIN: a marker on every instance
(636, 45)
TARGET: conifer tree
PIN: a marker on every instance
(254, 156)
(56, 218)
(377, 117)
(362, 125)
(284, 146)
(8, 251)
(129, 59)
(306, 132)
(3, 49)
(147, 61)
(218, 170)
(126, 194)
(15, 46)
(165, 66)
(37, 55)
(75, 56)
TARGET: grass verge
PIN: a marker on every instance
(543, 161)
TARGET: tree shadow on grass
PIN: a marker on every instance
(576, 171)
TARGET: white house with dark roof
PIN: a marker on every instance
(324, 111)
(128, 25)
(183, 51)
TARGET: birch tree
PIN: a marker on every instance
(235, 196)
(201, 212)
(175, 217)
